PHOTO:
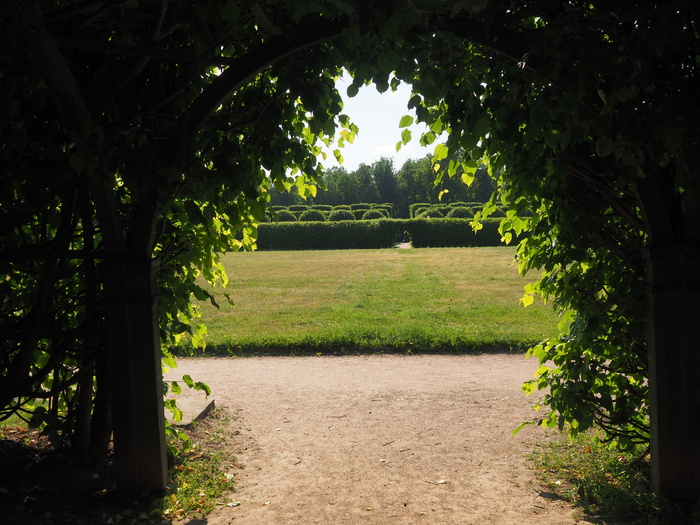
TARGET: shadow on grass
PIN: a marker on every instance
(606, 485)
(43, 486)
(40, 485)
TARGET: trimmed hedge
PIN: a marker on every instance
(448, 233)
(286, 216)
(381, 233)
(312, 215)
(341, 215)
(418, 207)
(431, 213)
(335, 235)
(460, 212)
(374, 213)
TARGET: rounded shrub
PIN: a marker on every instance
(433, 213)
(341, 215)
(373, 214)
(312, 215)
(460, 212)
(286, 216)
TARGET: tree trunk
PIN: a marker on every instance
(673, 276)
(134, 358)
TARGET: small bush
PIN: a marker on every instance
(360, 206)
(341, 215)
(431, 213)
(312, 215)
(387, 207)
(459, 212)
(286, 216)
(298, 207)
(373, 214)
(322, 207)
(417, 208)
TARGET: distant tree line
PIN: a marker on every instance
(379, 182)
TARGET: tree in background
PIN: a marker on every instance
(385, 180)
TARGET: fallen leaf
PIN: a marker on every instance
(266, 503)
(233, 504)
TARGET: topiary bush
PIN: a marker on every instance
(341, 215)
(387, 207)
(460, 212)
(431, 213)
(286, 216)
(312, 215)
(373, 214)
(417, 208)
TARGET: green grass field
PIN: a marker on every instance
(430, 299)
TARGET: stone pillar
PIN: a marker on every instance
(134, 357)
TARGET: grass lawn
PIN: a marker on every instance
(446, 299)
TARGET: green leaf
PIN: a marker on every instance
(441, 152)
(481, 127)
(202, 387)
(406, 121)
(604, 146)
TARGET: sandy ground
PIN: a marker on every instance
(381, 440)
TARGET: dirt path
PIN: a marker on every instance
(381, 439)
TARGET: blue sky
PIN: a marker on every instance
(377, 115)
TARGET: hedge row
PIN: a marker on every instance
(382, 233)
(323, 212)
(455, 210)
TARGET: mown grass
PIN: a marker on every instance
(439, 299)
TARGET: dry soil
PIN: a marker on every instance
(381, 440)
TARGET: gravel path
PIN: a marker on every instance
(381, 440)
